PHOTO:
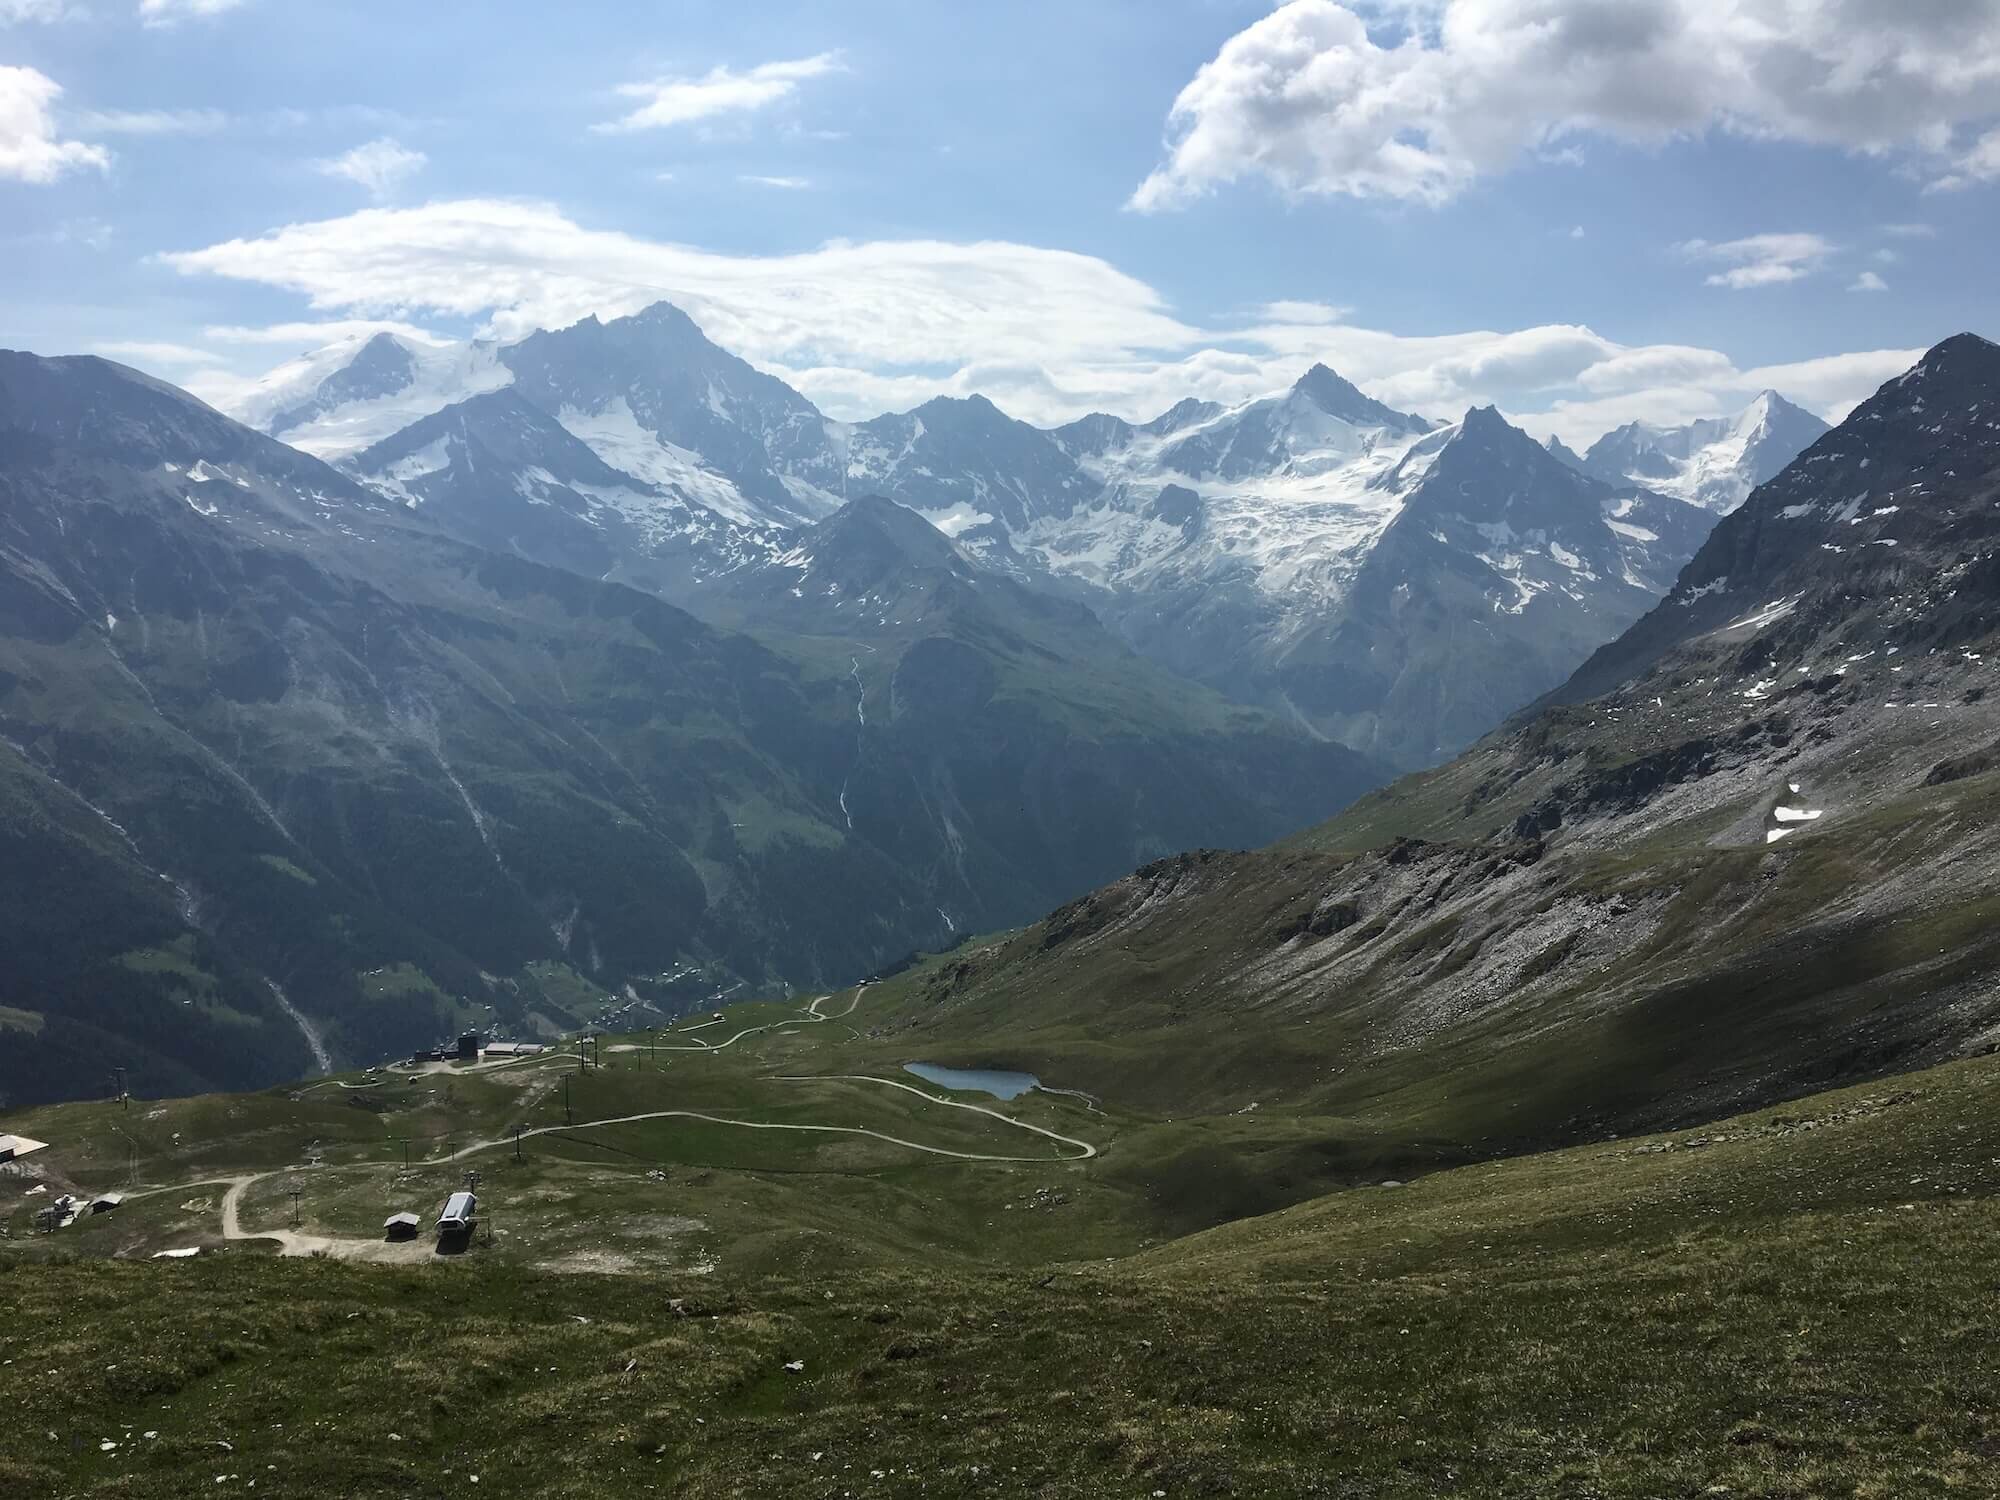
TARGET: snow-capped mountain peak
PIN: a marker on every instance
(649, 393)
(336, 401)
(1714, 463)
(655, 397)
(1319, 426)
(1338, 397)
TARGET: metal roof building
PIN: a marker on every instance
(14, 1147)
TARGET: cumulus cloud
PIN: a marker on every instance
(1047, 334)
(1435, 93)
(720, 91)
(381, 166)
(1761, 259)
(1868, 281)
(29, 148)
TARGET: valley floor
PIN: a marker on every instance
(1798, 1302)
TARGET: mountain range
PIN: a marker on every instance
(1253, 548)
(498, 682)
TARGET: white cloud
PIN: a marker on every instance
(1979, 164)
(14, 12)
(1911, 231)
(151, 121)
(381, 166)
(220, 388)
(720, 91)
(318, 334)
(1301, 312)
(148, 353)
(1659, 365)
(1761, 259)
(915, 303)
(787, 184)
(1868, 281)
(1492, 368)
(169, 12)
(29, 148)
(1047, 334)
(1439, 92)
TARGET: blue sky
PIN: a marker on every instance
(1585, 211)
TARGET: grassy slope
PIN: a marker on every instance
(1653, 963)
(1791, 1304)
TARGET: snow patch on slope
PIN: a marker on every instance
(615, 435)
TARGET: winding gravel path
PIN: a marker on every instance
(810, 1014)
(1085, 1147)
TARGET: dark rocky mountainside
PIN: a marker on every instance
(957, 673)
(284, 766)
(1892, 507)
